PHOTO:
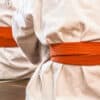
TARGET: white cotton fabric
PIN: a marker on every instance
(14, 65)
(57, 21)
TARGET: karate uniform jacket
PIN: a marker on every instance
(59, 21)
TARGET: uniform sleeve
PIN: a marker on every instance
(23, 33)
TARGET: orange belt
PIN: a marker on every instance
(76, 53)
(6, 39)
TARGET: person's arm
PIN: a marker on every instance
(23, 33)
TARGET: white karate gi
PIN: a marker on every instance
(57, 21)
(14, 65)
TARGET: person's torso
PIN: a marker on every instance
(13, 63)
(67, 20)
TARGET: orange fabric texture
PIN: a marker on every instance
(76, 53)
(6, 39)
